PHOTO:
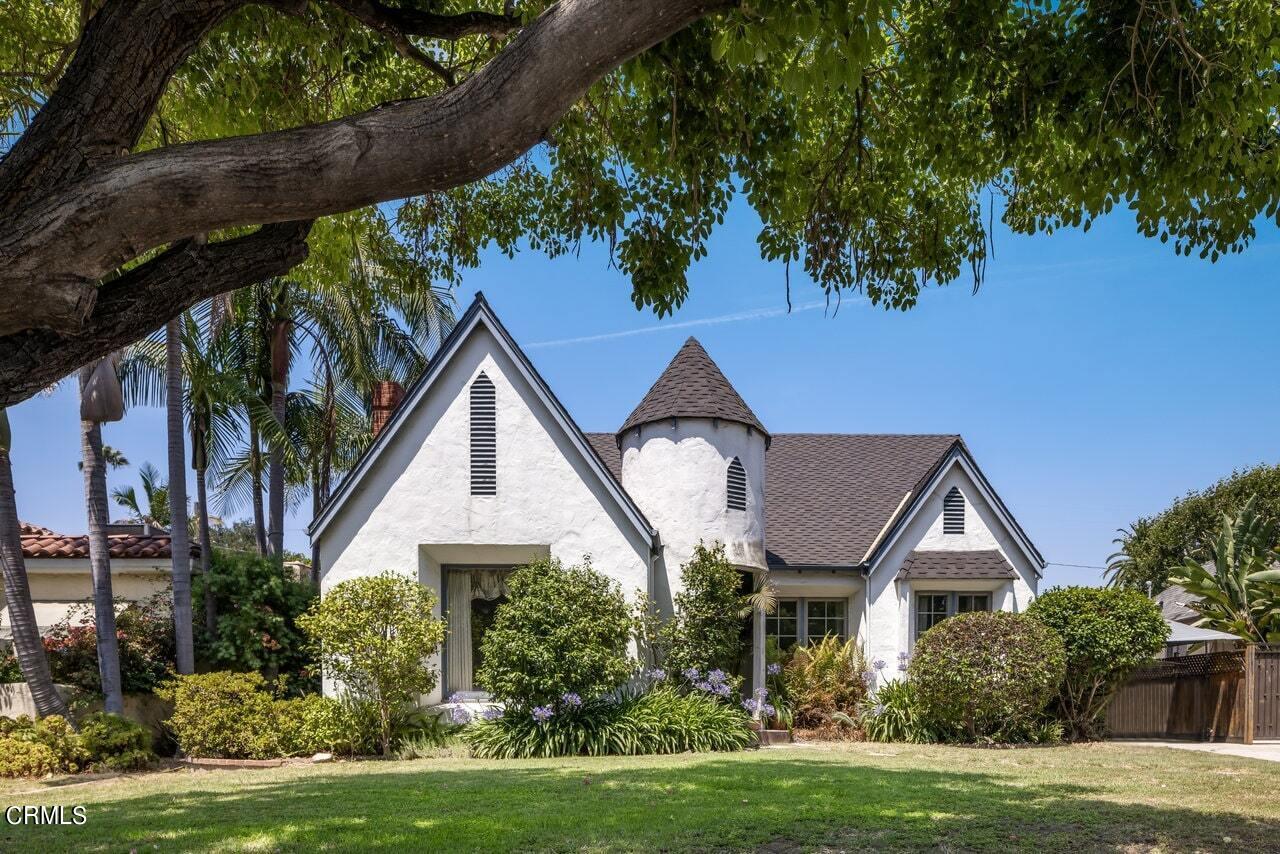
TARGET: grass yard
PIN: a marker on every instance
(854, 797)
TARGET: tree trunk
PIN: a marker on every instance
(206, 552)
(317, 503)
(255, 472)
(17, 593)
(179, 532)
(280, 333)
(104, 612)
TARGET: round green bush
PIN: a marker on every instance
(1106, 633)
(562, 632)
(26, 758)
(984, 676)
(116, 742)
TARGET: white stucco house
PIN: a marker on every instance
(480, 468)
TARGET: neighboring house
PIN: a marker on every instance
(481, 469)
(58, 568)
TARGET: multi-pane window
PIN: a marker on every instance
(824, 617)
(806, 621)
(933, 608)
(783, 625)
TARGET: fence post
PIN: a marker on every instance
(1250, 698)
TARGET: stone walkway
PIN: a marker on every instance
(1268, 750)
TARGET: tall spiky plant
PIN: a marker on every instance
(1241, 594)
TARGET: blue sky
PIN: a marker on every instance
(1095, 376)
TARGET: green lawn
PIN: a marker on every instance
(855, 797)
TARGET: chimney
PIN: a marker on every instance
(387, 395)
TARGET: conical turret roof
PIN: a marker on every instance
(692, 386)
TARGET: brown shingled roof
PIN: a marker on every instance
(827, 496)
(956, 565)
(692, 386)
(38, 542)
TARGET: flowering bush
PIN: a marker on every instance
(824, 678)
(985, 676)
(661, 720)
(144, 633)
(561, 634)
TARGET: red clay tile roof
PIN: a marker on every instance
(827, 495)
(692, 386)
(38, 542)
(956, 565)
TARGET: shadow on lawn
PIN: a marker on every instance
(706, 804)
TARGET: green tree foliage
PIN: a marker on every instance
(258, 603)
(706, 630)
(156, 493)
(1106, 634)
(1152, 545)
(1240, 594)
(562, 631)
(987, 676)
(374, 636)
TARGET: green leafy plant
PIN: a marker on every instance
(374, 636)
(144, 635)
(980, 676)
(21, 758)
(1241, 594)
(115, 742)
(823, 678)
(561, 632)
(258, 604)
(223, 715)
(894, 713)
(1106, 633)
(663, 720)
(706, 630)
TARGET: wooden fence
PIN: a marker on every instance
(1216, 696)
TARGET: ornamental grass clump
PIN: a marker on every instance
(986, 677)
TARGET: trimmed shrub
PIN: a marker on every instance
(374, 636)
(562, 632)
(258, 604)
(660, 721)
(824, 678)
(20, 758)
(983, 676)
(1106, 634)
(116, 742)
(894, 713)
(706, 631)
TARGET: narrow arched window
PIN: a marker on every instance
(737, 485)
(953, 512)
(484, 437)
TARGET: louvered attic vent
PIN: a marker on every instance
(953, 512)
(484, 437)
(737, 485)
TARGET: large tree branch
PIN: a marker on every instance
(144, 298)
(76, 235)
(411, 22)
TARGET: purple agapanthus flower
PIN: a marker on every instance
(868, 678)
(459, 715)
(703, 686)
(572, 700)
(773, 669)
(657, 674)
(455, 697)
(879, 664)
(903, 660)
(691, 674)
(542, 714)
(491, 713)
(751, 705)
(715, 677)
(767, 711)
(760, 693)
(722, 689)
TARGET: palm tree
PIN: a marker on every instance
(155, 492)
(179, 543)
(1241, 594)
(17, 592)
(100, 401)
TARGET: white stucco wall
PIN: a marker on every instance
(888, 627)
(413, 511)
(677, 474)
